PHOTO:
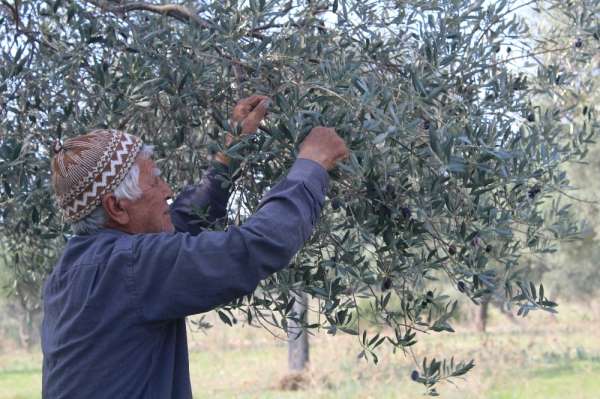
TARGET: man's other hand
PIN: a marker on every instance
(324, 146)
(249, 112)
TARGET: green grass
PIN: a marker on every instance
(543, 357)
(20, 375)
(571, 380)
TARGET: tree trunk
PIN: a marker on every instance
(482, 315)
(297, 336)
(28, 332)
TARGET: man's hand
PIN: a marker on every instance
(249, 112)
(323, 146)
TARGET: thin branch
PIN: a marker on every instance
(20, 29)
(585, 201)
(533, 54)
(14, 9)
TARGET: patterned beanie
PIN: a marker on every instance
(86, 167)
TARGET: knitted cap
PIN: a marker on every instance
(86, 167)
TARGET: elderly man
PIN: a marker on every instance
(115, 304)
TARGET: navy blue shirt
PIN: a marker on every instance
(115, 303)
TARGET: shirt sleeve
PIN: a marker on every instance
(204, 205)
(179, 274)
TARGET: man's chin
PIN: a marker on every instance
(167, 226)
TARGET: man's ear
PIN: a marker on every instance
(117, 214)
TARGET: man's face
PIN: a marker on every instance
(150, 213)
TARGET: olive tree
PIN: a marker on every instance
(452, 166)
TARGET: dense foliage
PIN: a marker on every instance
(455, 172)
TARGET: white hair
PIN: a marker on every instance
(128, 189)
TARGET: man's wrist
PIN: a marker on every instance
(312, 173)
(316, 159)
(222, 158)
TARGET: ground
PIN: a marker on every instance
(541, 356)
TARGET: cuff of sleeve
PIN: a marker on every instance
(217, 176)
(218, 168)
(312, 174)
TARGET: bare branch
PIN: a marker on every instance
(179, 12)
(176, 11)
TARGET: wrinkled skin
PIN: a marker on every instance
(148, 214)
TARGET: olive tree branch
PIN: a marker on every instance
(178, 12)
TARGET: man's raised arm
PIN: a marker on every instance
(202, 206)
(174, 275)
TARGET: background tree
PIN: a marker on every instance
(298, 351)
(452, 164)
(574, 271)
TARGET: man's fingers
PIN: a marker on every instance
(259, 112)
(251, 122)
(253, 101)
(245, 106)
(344, 154)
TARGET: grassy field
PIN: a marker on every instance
(542, 356)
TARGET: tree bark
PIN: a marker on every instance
(297, 336)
